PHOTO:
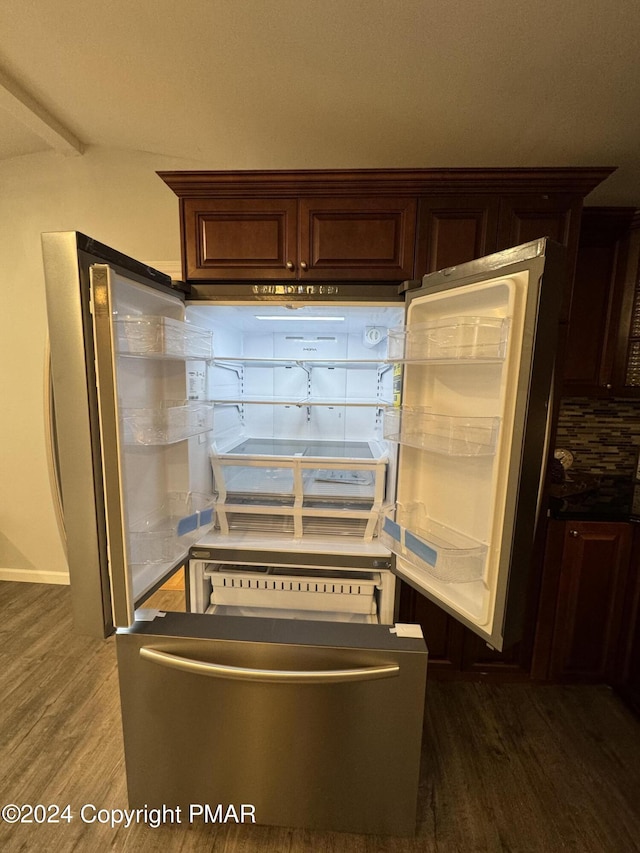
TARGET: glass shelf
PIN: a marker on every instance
(300, 401)
(162, 337)
(447, 435)
(445, 554)
(450, 340)
(357, 364)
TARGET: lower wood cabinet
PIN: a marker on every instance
(457, 653)
(591, 561)
(627, 679)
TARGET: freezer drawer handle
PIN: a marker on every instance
(217, 670)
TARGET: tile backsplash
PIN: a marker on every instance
(603, 435)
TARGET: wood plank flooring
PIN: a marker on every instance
(518, 767)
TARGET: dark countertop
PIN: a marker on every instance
(591, 497)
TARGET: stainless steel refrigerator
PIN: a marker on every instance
(298, 455)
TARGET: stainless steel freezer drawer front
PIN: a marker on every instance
(313, 733)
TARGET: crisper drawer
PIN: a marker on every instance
(281, 589)
(300, 488)
(313, 725)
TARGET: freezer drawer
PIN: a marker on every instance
(315, 725)
(245, 588)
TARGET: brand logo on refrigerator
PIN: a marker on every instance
(295, 289)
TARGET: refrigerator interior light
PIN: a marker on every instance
(298, 319)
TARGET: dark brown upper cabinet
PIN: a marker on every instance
(455, 229)
(240, 238)
(599, 351)
(371, 238)
(626, 364)
(554, 215)
(367, 225)
(311, 239)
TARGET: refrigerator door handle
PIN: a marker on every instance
(51, 445)
(217, 670)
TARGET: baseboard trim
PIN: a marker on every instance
(28, 576)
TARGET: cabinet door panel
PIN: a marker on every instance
(363, 238)
(478, 657)
(588, 319)
(595, 564)
(626, 367)
(524, 218)
(596, 301)
(240, 238)
(454, 230)
(628, 670)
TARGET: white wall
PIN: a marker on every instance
(116, 197)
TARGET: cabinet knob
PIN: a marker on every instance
(574, 533)
(304, 266)
(290, 265)
(608, 386)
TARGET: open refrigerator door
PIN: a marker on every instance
(147, 424)
(477, 355)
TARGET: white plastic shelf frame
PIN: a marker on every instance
(167, 423)
(164, 535)
(299, 494)
(450, 339)
(162, 337)
(418, 426)
(434, 549)
(305, 398)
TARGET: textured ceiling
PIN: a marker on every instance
(251, 84)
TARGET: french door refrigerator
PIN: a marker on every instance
(298, 456)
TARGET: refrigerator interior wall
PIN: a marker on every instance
(298, 393)
(157, 427)
(456, 430)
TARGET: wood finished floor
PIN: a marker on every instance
(504, 768)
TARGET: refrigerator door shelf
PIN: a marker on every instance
(162, 536)
(435, 550)
(162, 337)
(450, 339)
(168, 423)
(418, 426)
